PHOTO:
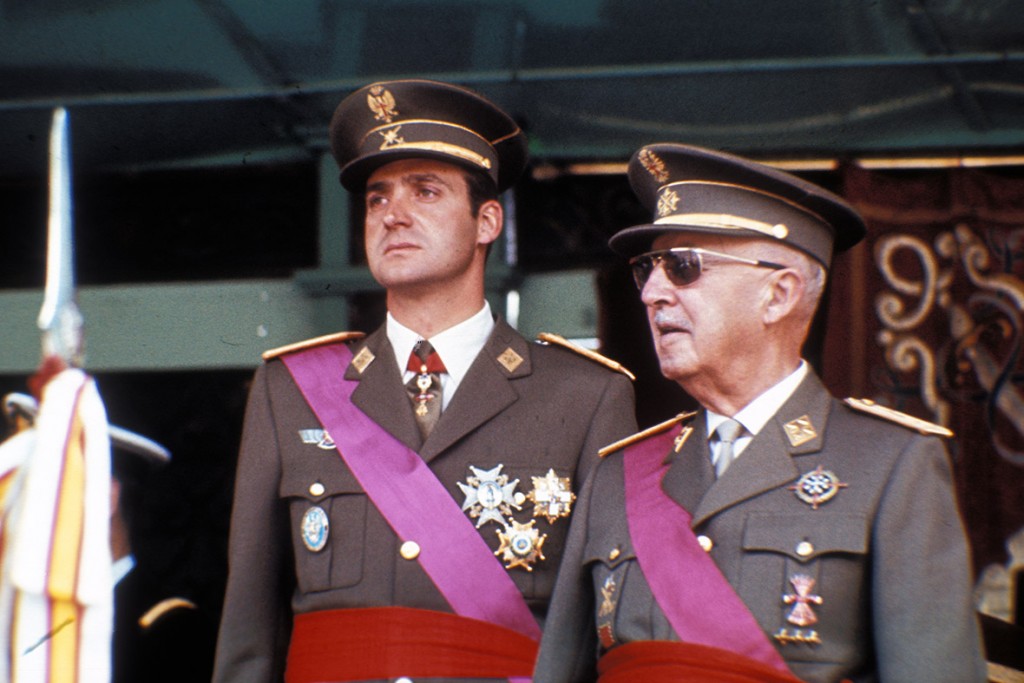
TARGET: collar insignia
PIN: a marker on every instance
(800, 431)
(363, 359)
(520, 545)
(510, 360)
(489, 495)
(817, 486)
(551, 496)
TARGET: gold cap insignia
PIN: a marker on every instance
(800, 430)
(667, 202)
(868, 406)
(363, 359)
(510, 360)
(654, 165)
(552, 496)
(382, 103)
(520, 545)
(391, 137)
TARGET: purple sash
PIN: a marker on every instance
(410, 497)
(700, 604)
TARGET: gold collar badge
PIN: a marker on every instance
(551, 496)
(381, 103)
(800, 431)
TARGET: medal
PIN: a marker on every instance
(315, 528)
(802, 614)
(551, 496)
(489, 495)
(319, 437)
(817, 486)
(520, 545)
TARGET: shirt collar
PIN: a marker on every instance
(458, 346)
(755, 415)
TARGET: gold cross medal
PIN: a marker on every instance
(490, 495)
(551, 496)
(520, 545)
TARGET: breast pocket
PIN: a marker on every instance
(802, 576)
(327, 513)
(610, 569)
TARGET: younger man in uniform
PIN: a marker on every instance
(402, 498)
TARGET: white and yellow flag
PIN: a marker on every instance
(56, 593)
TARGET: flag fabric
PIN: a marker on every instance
(56, 592)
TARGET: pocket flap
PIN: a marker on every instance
(803, 537)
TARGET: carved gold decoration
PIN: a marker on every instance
(985, 327)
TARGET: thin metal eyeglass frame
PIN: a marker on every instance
(644, 264)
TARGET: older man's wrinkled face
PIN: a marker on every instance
(701, 328)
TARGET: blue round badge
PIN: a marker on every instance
(315, 529)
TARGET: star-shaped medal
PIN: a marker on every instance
(551, 496)
(520, 545)
(489, 495)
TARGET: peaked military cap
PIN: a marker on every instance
(692, 189)
(392, 120)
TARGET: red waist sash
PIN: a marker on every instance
(656, 661)
(389, 642)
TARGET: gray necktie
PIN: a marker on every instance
(727, 433)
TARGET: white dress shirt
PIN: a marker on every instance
(755, 415)
(458, 347)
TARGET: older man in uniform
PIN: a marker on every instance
(402, 498)
(777, 534)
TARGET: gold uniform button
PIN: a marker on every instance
(410, 550)
(317, 489)
(804, 548)
(614, 554)
(706, 543)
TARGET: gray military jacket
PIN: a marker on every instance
(552, 410)
(887, 554)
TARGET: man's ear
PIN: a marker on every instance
(783, 293)
(489, 221)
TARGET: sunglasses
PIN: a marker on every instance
(683, 265)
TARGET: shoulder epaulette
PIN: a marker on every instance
(866, 405)
(549, 338)
(650, 431)
(163, 607)
(310, 343)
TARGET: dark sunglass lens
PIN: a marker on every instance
(642, 267)
(682, 267)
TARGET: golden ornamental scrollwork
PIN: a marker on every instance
(985, 320)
